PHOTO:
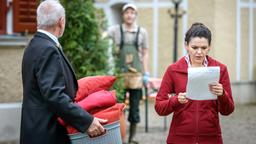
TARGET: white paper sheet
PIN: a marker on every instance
(199, 80)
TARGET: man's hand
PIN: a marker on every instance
(182, 98)
(216, 89)
(96, 129)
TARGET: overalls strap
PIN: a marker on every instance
(122, 38)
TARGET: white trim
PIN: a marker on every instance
(247, 4)
(107, 11)
(251, 5)
(150, 4)
(10, 105)
(113, 2)
(138, 4)
(111, 61)
(100, 5)
(155, 38)
(185, 23)
(9, 22)
(145, 4)
(238, 41)
(251, 43)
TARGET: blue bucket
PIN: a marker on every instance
(112, 136)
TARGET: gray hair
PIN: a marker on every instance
(48, 13)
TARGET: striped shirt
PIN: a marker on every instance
(187, 58)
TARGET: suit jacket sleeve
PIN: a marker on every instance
(165, 105)
(52, 84)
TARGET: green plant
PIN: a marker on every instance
(82, 42)
(119, 87)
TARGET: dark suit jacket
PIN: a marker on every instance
(49, 89)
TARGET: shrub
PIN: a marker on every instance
(82, 42)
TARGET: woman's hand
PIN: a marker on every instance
(216, 89)
(182, 98)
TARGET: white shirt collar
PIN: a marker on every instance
(187, 58)
(53, 37)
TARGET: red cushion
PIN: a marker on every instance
(112, 114)
(100, 99)
(89, 85)
(61, 122)
(71, 130)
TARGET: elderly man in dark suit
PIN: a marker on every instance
(50, 85)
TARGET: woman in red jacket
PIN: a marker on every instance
(194, 122)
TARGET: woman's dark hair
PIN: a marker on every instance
(198, 30)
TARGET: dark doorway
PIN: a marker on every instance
(116, 12)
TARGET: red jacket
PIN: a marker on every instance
(195, 121)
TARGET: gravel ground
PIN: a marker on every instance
(237, 128)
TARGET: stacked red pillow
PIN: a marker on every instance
(89, 85)
(93, 96)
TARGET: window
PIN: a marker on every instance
(24, 15)
(245, 40)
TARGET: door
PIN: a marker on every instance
(3, 12)
(24, 15)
